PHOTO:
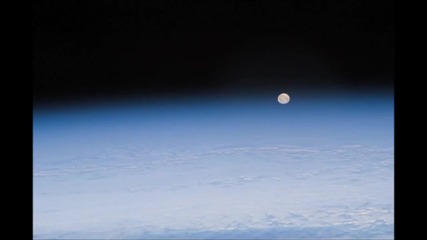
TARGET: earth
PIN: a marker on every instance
(321, 166)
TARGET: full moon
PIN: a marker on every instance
(283, 98)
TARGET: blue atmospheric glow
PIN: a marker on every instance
(318, 167)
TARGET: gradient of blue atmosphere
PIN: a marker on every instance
(244, 166)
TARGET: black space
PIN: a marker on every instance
(91, 49)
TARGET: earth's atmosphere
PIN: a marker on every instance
(318, 167)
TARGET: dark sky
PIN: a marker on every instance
(109, 48)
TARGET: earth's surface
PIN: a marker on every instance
(318, 167)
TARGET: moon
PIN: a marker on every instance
(283, 98)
